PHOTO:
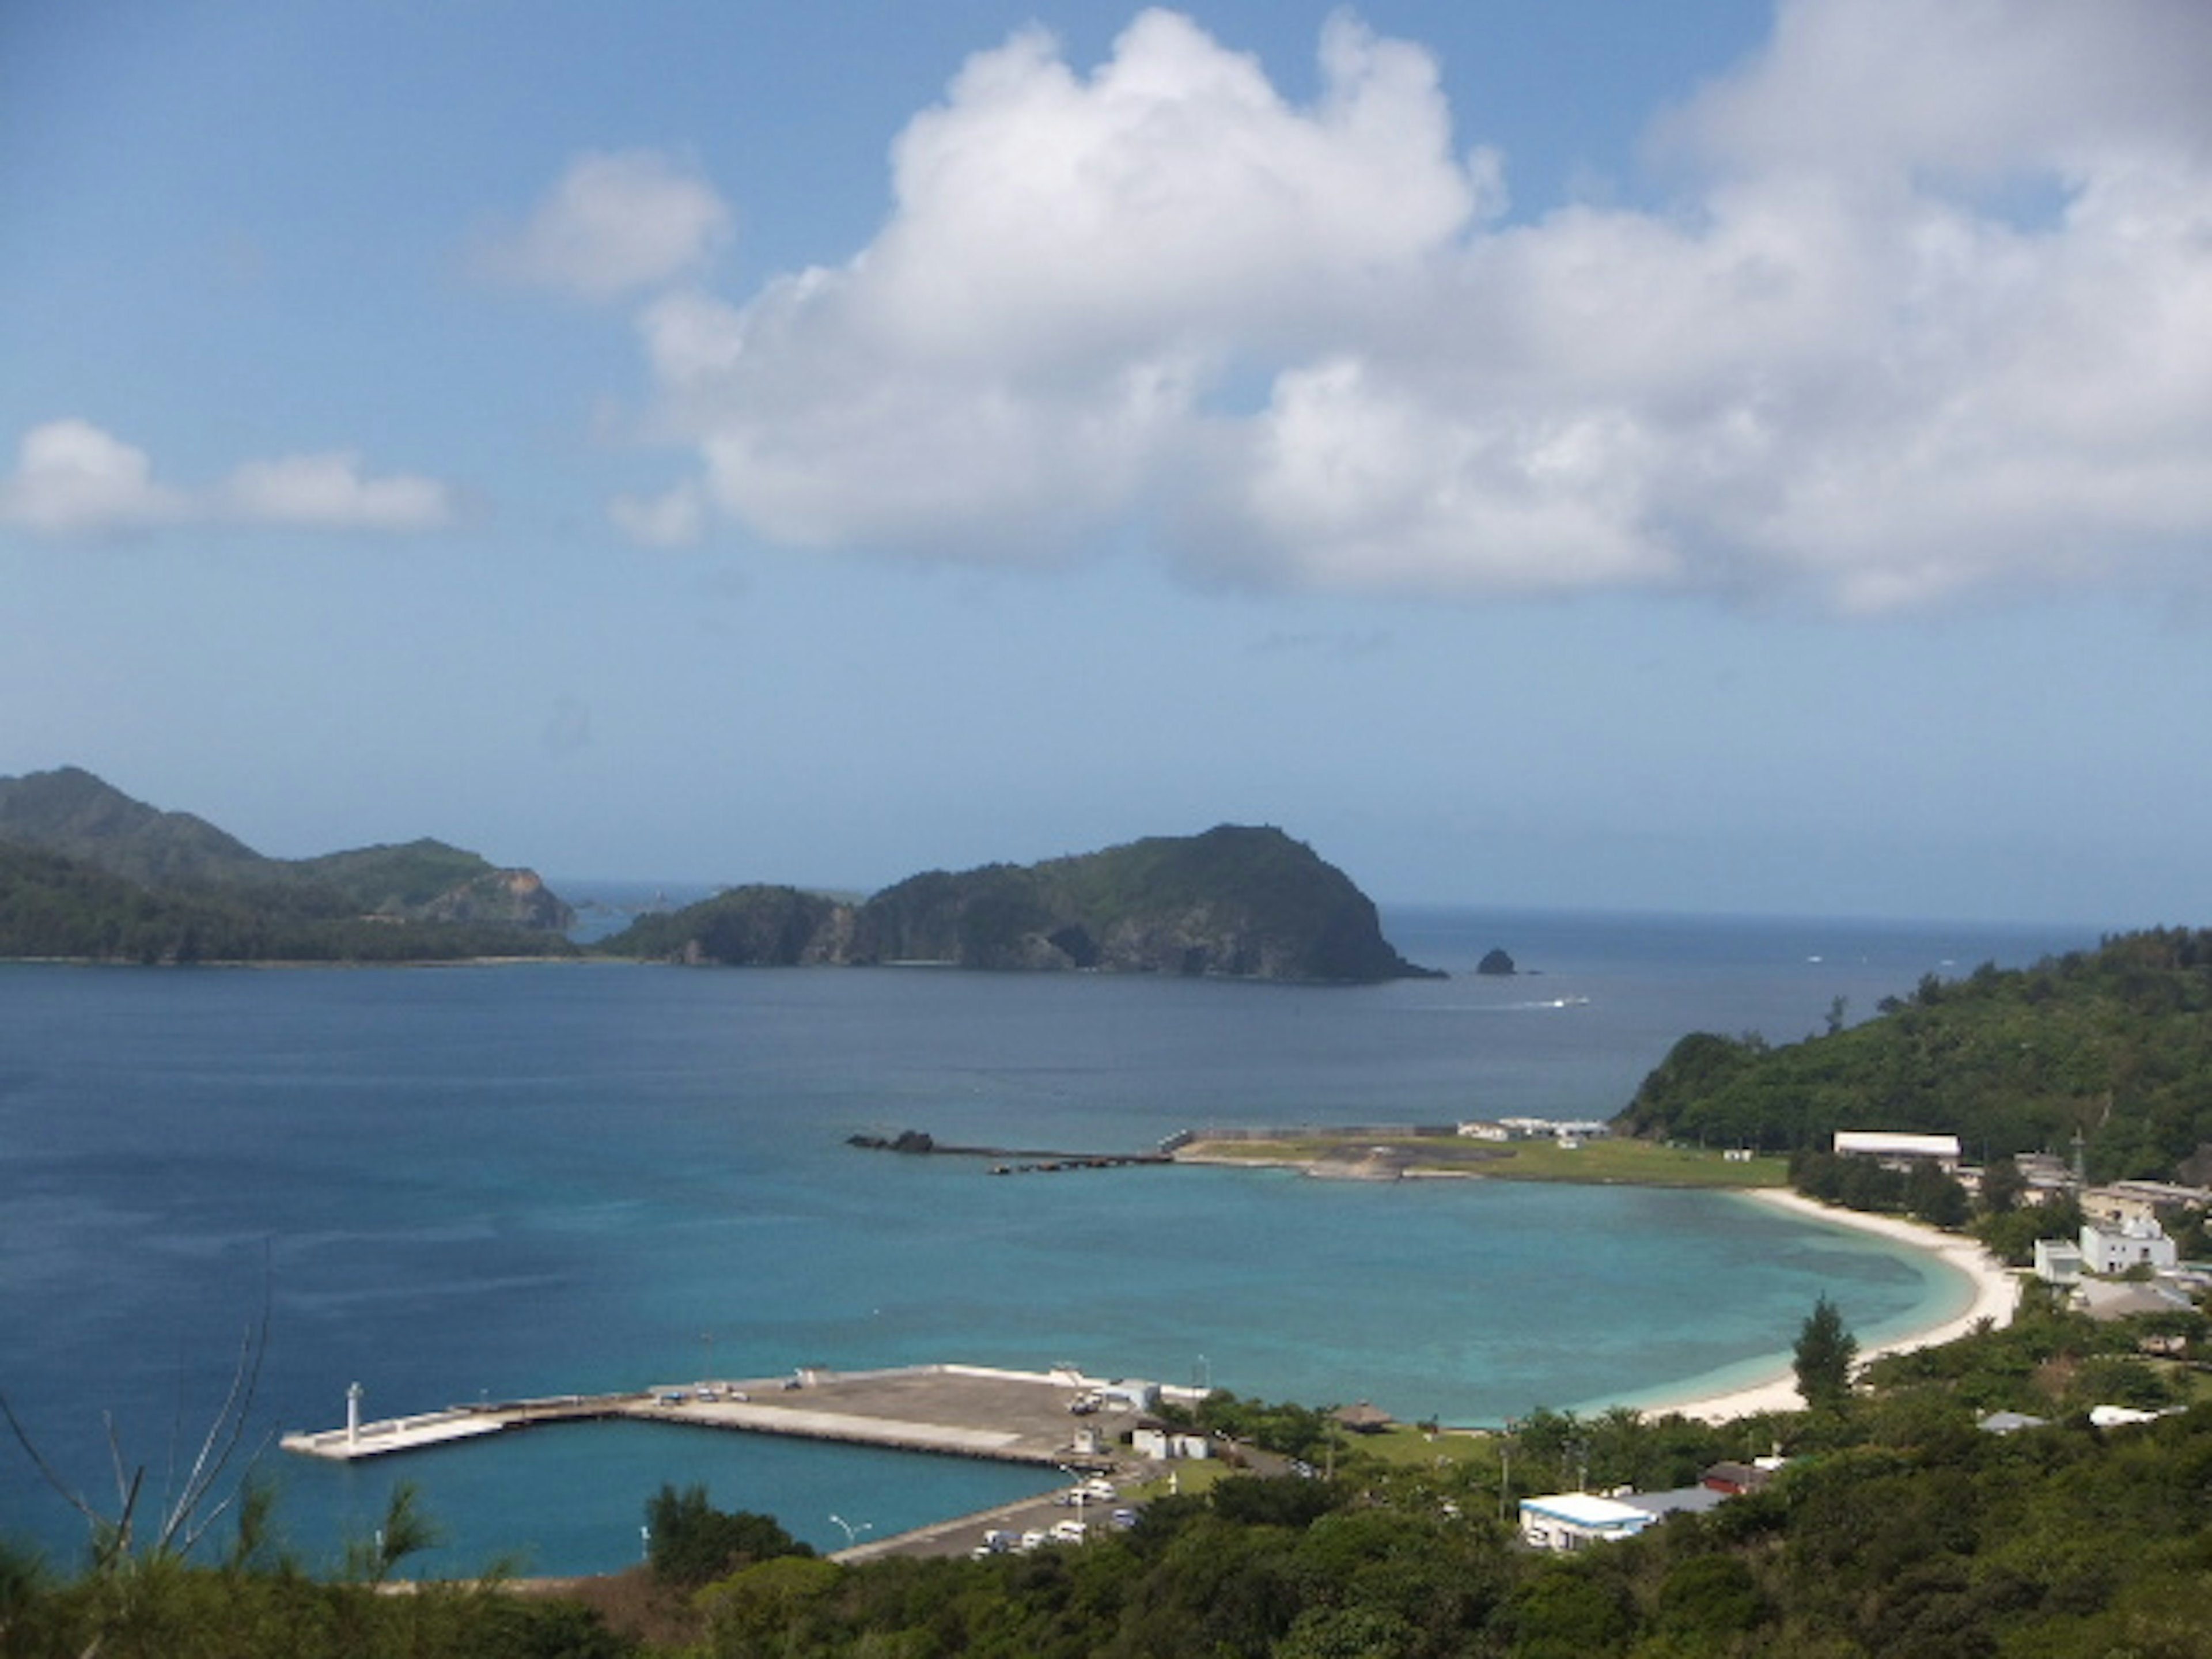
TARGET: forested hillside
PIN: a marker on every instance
(88, 873)
(2115, 1043)
(59, 909)
(1238, 901)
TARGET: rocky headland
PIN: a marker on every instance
(1236, 902)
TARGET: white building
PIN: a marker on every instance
(1552, 1128)
(1898, 1150)
(2124, 1201)
(1574, 1520)
(2134, 1243)
(1159, 1440)
(1128, 1394)
(2057, 1261)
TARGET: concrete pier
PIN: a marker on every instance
(968, 1411)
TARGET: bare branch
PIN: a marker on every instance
(51, 1475)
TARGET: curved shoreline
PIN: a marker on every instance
(1995, 1295)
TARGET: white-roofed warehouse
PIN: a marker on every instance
(1891, 1148)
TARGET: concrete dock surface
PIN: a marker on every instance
(971, 1410)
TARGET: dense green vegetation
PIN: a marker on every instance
(1235, 901)
(89, 874)
(1896, 1528)
(55, 907)
(690, 1542)
(2115, 1043)
(771, 925)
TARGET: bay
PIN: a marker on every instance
(490, 1180)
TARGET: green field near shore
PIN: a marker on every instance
(1620, 1162)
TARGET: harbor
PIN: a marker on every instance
(1055, 1418)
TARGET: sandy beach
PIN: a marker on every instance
(1996, 1293)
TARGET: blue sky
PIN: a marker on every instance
(1712, 457)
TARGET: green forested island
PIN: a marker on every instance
(88, 873)
(1237, 902)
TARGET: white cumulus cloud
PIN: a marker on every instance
(72, 478)
(1929, 312)
(614, 223)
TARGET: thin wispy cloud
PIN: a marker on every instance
(1301, 344)
(612, 224)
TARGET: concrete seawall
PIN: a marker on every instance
(1058, 1417)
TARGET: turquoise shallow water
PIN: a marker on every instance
(462, 1181)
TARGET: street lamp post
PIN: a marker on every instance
(1078, 1493)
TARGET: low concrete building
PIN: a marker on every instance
(1575, 1520)
(2057, 1261)
(1554, 1128)
(2122, 1201)
(2133, 1244)
(1128, 1394)
(1678, 1500)
(1162, 1440)
(1900, 1150)
(2047, 1175)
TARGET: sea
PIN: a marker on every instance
(485, 1181)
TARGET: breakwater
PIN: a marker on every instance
(1313, 1131)
(1005, 1160)
(1055, 1418)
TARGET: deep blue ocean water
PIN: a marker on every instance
(495, 1181)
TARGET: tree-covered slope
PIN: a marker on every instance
(87, 873)
(2115, 1043)
(1239, 901)
(71, 812)
(764, 926)
(428, 881)
(52, 907)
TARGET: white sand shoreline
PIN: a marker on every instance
(1995, 1296)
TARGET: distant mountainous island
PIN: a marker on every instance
(1236, 902)
(88, 873)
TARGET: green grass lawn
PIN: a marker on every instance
(1623, 1162)
(1403, 1445)
(1639, 1163)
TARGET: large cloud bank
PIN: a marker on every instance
(1930, 311)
